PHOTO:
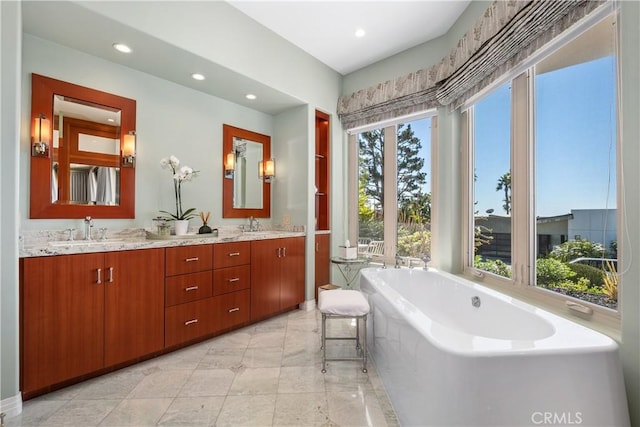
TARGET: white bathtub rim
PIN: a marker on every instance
(568, 336)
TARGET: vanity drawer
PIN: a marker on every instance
(231, 254)
(231, 279)
(187, 287)
(188, 259)
(232, 309)
(188, 321)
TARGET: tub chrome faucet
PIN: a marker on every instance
(425, 259)
(88, 225)
(398, 261)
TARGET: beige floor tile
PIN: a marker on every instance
(255, 381)
(82, 413)
(355, 409)
(250, 411)
(236, 339)
(161, 384)
(208, 382)
(193, 411)
(35, 412)
(301, 379)
(222, 358)
(267, 339)
(301, 409)
(137, 412)
(265, 357)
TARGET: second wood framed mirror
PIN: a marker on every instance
(245, 193)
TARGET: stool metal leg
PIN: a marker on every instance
(364, 344)
(324, 343)
(357, 333)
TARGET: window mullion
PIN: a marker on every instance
(390, 172)
(522, 242)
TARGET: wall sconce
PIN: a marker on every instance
(267, 170)
(129, 149)
(41, 136)
(230, 165)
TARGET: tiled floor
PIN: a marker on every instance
(267, 374)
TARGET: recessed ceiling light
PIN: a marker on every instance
(250, 96)
(121, 47)
(197, 76)
(360, 33)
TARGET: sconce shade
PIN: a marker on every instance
(267, 169)
(129, 149)
(229, 165)
(41, 136)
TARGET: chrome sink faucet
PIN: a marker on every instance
(253, 224)
(88, 225)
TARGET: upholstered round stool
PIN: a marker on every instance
(344, 304)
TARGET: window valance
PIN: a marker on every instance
(506, 34)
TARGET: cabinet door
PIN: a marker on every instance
(134, 308)
(292, 272)
(62, 312)
(323, 263)
(265, 278)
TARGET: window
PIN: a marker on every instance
(492, 182)
(575, 168)
(542, 203)
(394, 193)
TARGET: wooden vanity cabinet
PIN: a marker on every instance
(81, 313)
(277, 276)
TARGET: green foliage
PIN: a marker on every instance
(416, 244)
(550, 271)
(498, 267)
(573, 249)
(593, 274)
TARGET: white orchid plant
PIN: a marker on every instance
(180, 174)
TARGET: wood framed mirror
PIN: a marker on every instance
(244, 193)
(81, 174)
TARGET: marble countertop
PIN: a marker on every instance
(50, 245)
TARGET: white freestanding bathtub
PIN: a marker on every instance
(454, 353)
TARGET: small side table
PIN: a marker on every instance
(349, 268)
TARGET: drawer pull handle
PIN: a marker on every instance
(234, 309)
(190, 322)
(99, 280)
(234, 279)
(195, 258)
(234, 253)
(110, 275)
(191, 288)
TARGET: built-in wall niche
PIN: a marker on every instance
(322, 180)
(82, 173)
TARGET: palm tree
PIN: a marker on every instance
(504, 183)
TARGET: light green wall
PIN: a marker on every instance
(11, 34)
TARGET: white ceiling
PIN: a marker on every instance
(326, 29)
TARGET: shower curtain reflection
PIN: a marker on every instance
(94, 185)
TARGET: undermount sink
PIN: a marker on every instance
(58, 243)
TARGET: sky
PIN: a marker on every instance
(574, 135)
(575, 138)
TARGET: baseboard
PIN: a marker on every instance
(11, 406)
(308, 305)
